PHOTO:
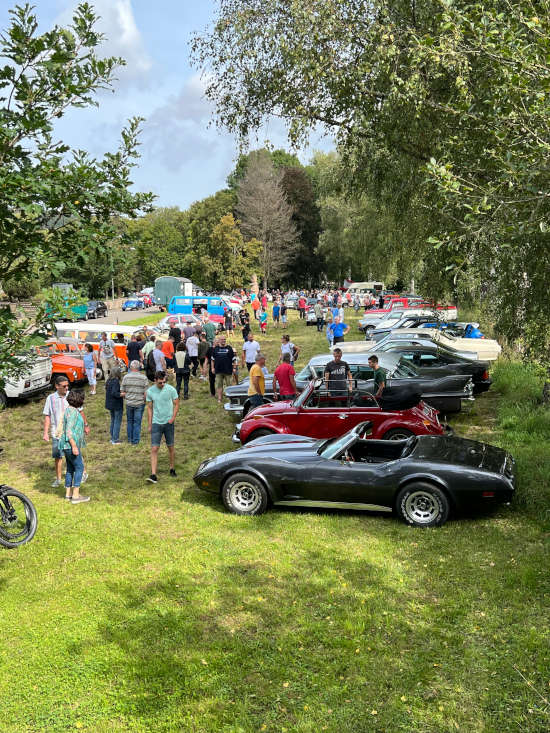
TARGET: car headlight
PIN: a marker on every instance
(204, 464)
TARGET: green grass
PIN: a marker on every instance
(149, 320)
(151, 608)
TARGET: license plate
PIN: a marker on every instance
(36, 382)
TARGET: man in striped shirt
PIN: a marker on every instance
(133, 388)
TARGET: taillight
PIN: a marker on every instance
(485, 375)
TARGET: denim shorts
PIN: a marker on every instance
(158, 430)
(56, 453)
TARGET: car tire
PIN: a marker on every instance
(261, 433)
(244, 495)
(86, 316)
(398, 434)
(3, 400)
(422, 505)
(99, 373)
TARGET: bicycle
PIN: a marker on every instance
(18, 519)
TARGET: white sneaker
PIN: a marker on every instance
(56, 483)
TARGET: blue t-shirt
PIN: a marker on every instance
(263, 317)
(163, 402)
(338, 329)
(276, 311)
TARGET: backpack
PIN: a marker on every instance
(150, 367)
(295, 353)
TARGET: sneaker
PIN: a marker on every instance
(185, 396)
(153, 478)
(68, 498)
(79, 499)
(56, 483)
(173, 472)
(84, 478)
(116, 442)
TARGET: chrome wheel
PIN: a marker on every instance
(245, 497)
(421, 507)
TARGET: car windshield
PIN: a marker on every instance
(332, 447)
(404, 369)
(299, 401)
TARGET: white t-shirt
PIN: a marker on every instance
(106, 349)
(54, 408)
(192, 345)
(288, 349)
(250, 349)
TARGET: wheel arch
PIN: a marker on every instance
(252, 472)
(427, 478)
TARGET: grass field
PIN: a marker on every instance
(152, 609)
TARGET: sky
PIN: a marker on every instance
(184, 157)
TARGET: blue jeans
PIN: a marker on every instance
(133, 423)
(116, 421)
(160, 429)
(75, 469)
(256, 400)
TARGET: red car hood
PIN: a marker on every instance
(66, 361)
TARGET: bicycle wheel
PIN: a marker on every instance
(18, 520)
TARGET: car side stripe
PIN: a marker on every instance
(333, 505)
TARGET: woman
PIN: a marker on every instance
(328, 332)
(287, 347)
(228, 322)
(183, 369)
(90, 365)
(114, 403)
(71, 442)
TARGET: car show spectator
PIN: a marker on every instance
(337, 376)
(134, 349)
(276, 313)
(202, 351)
(133, 388)
(90, 365)
(192, 346)
(250, 349)
(339, 330)
(183, 369)
(54, 407)
(379, 376)
(223, 365)
(71, 441)
(318, 311)
(283, 314)
(175, 332)
(284, 383)
(209, 329)
(158, 356)
(287, 347)
(188, 330)
(162, 407)
(302, 306)
(256, 385)
(228, 321)
(106, 354)
(256, 305)
(263, 320)
(148, 347)
(114, 403)
(167, 349)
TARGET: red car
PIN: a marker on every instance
(318, 414)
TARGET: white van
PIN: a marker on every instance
(362, 288)
(36, 381)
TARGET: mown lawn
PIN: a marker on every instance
(151, 608)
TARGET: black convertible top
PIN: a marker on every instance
(399, 398)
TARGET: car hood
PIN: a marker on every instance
(290, 448)
(270, 409)
(461, 452)
(69, 361)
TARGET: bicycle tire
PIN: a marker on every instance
(28, 529)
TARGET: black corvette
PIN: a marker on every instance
(422, 479)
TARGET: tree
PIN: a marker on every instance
(266, 215)
(232, 261)
(279, 158)
(55, 201)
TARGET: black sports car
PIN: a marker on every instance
(422, 479)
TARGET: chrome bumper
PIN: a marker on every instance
(236, 437)
(233, 410)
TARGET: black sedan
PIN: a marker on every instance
(422, 479)
(96, 309)
(437, 361)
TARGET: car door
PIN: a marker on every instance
(318, 419)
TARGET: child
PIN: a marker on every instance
(263, 321)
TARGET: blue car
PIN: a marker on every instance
(133, 304)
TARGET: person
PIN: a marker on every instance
(302, 306)
(264, 300)
(175, 332)
(341, 313)
(54, 407)
(356, 303)
(338, 376)
(381, 301)
(133, 388)
(276, 313)
(211, 373)
(192, 346)
(158, 356)
(134, 349)
(339, 330)
(113, 403)
(256, 386)
(228, 321)
(209, 329)
(287, 347)
(223, 358)
(283, 313)
(328, 331)
(149, 346)
(202, 351)
(250, 349)
(188, 329)
(183, 369)
(106, 354)
(284, 382)
(255, 307)
(72, 440)
(263, 321)
(90, 365)
(379, 376)
(167, 349)
(162, 408)
(318, 310)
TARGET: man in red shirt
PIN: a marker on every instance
(284, 384)
(302, 306)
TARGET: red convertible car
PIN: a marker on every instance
(318, 413)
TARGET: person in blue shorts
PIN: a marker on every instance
(276, 313)
(162, 408)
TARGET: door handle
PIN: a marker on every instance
(342, 416)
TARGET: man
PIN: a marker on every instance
(256, 387)
(149, 346)
(283, 313)
(209, 329)
(162, 408)
(276, 313)
(379, 376)
(318, 310)
(188, 330)
(381, 301)
(339, 330)
(134, 350)
(175, 332)
(256, 305)
(338, 376)
(223, 366)
(55, 406)
(302, 306)
(250, 350)
(284, 383)
(192, 345)
(134, 388)
(106, 354)
(168, 351)
(158, 356)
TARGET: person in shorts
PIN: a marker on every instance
(90, 365)
(223, 366)
(162, 408)
(276, 313)
(256, 388)
(55, 406)
(283, 314)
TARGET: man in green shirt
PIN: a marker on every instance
(379, 376)
(209, 329)
(162, 408)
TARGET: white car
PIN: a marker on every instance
(36, 381)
